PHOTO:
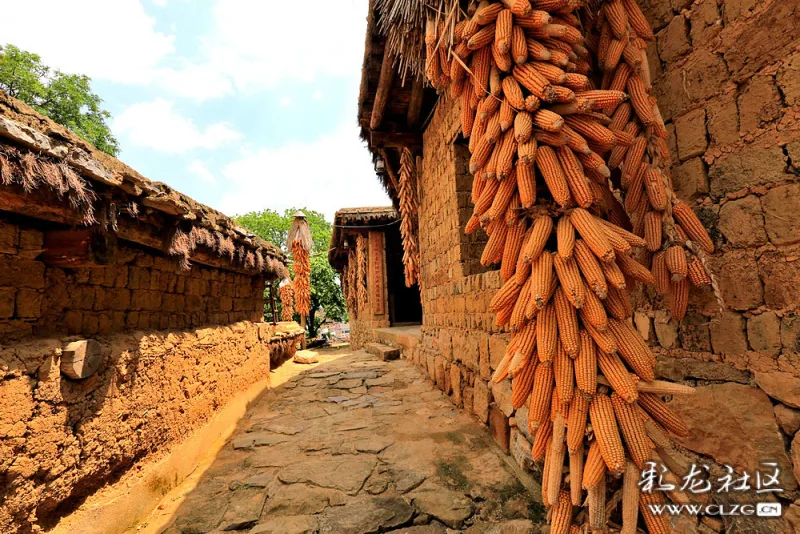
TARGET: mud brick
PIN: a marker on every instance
(781, 280)
(728, 334)
(782, 214)
(757, 164)
(29, 303)
(723, 119)
(21, 272)
(690, 179)
(764, 333)
(7, 296)
(499, 428)
(673, 41)
(691, 132)
(759, 103)
(788, 80)
(742, 222)
(739, 280)
(9, 238)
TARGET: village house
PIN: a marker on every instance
(129, 316)
(726, 83)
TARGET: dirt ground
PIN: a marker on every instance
(351, 445)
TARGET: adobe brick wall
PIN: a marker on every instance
(727, 78)
(62, 439)
(148, 292)
(176, 346)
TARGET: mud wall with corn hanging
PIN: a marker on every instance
(725, 79)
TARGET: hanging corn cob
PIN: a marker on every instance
(286, 292)
(550, 146)
(408, 216)
(350, 283)
(361, 272)
(300, 243)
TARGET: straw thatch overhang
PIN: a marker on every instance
(84, 198)
(348, 222)
(393, 104)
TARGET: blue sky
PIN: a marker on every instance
(241, 104)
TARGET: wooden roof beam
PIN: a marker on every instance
(395, 139)
(415, 102)
(382, 92)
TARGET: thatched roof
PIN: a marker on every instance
(49, 174)
(393, 84)
(351, 221)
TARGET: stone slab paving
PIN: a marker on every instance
(357, 445)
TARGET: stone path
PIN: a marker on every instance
(357, 445)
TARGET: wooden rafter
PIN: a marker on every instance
(382, 93)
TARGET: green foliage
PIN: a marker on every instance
(66, 98)
(327, 302)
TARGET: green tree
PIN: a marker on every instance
(327, 301)
(66, 98)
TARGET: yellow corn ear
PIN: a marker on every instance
(567, 320)
(513, 246)
(697, 273)
(661, 273)
(507, 294)
(604, 425)
(541, 442)
(593, 310)
(594, 470)
(656, 524)
(523, 126)
(634, 269)
(676, 262)
(513, 93)
(564, 374)
(679, 298)
(546, 333)
(592, 234)
(661, 414)
(618, 305)
(541, 395)
(641, 100)
(576, 179)
(576, 421)
(638, 444)
(570, 278)
(522, 385)
(637, 20)
(653, 230)
(692, 226)
(590, 268)
(519, 48)
(526, 183)
(586, 365)
(562, 514)
(542, 228)
(656, 191)
(565, 236)
(613, 274)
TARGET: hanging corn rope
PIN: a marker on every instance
(408, 216)
(300, 243)
(545, 147)
(286, 292)
(361, 272)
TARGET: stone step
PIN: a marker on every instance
(384, 352)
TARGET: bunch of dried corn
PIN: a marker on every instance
(302, 278)
(361, 272)
(673, 234)
(546, 143)
(408, 215)
(350, 283)
(286, 292)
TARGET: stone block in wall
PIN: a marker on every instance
(499, 428)
(780, 385)
(673, 41)
(695, 334)
(442, 373)
(782, 214)
(722, 119)
(497, 349)
(17, 272)
(9, 238)
(788, 419)
(690, 179)
(748, 434)
(521, 422)
(657, 12)
(788, 79)
(444, 343)
(764, 333)
(781, 277)
(455, 384)
(468, 400)
(738, 275)
(705, 22)
(759, 103)
(748, 51)
(679, 369)
(7, 297)
(501, 393)
(690, 129)
(28, 303)
(742, 222)
(790, 333)
(666, 329)
(520, 449)
(728, 333)
(761, 163)
(481, 399)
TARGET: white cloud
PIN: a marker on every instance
(114, 41)
(117, 41)
(199, 169)
(158, 126)
(285, 102)
(329, 173)
(317, 95)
